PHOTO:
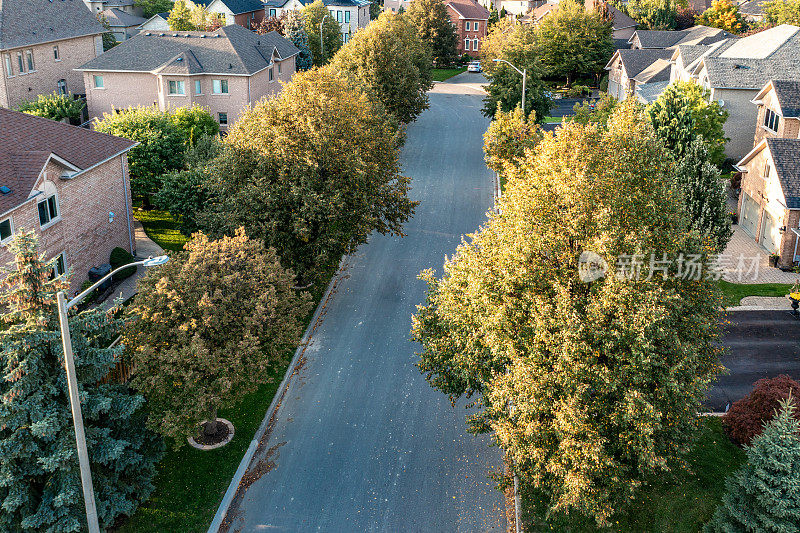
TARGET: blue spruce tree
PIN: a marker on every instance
(295, 32)
(764, 495)
(40, 487)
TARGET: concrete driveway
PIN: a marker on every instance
(758, 344)
(360, 441)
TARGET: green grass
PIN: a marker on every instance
(190, 483)
(679, 503)
(734, 292)
(161, 228)
(442, 74)
(553, 120)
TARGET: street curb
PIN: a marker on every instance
(227, 499)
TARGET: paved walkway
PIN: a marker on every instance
(763, 303)
(744, 261)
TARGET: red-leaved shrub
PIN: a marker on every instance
(746, 418)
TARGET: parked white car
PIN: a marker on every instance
(474, 66)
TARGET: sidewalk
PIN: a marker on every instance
(145, 248)
(755, 260)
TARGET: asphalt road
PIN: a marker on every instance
(361, 442)
(758, 344)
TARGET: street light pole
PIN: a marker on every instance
(321, 41)
(524, 74)
(72, 385)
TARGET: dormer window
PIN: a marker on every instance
(771, 120)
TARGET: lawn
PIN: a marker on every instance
(442, 74)
(190, 483)
(734, 292)
(553, 120)
(161, 228)
(678, 503)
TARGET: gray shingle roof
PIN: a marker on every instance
(668, 38)
(229, 50)
(788, 93)
(752, 7)
(786, 160)
(635, 61)
(118, 18)
(238, 7)
(649, 92)
(659, 70)
(620, 20)
(27, 22)
(691, 52)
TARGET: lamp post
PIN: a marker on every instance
(72, 385)
(321, 41)
(522, 73)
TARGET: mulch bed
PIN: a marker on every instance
(208, 440)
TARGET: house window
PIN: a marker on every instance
(98, 82)
(466, 44)
(9, 68)
(198, 87)
(273, 13)
(223, 119)
(345, 38)
(48, 211)
(61, 86)
(175, 87)
(347, 16)
(475, 44)
(475, 26)
(766, 169)
(59, 266)
(56, 55)
(29, 59)
(279, 67)
(6, 229)
(271, 75)
(219, 86)
(339, 17)
(467, 24)
(771, 120)
(20, 63)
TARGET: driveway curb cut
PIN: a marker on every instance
(227, 499)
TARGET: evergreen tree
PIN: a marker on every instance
(294, 29)
(672, 119)
(40, 487)
(705, 195)
(764, 495)
(435, 29)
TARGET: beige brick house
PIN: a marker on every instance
(70, 185)
(223, 71)
(769, 202)
(41, 43)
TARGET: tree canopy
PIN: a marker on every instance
(294, 30)
(153, 7)
(435, 29)
(41, 487)
(604, 373)
(573, 41)
(207, 326)
(314, 15)
(781, 12)
(388, 59)
(722, 14)
(515, 43)
(654, 14)
(54, 106)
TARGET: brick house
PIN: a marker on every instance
(245, 13)
(351, 15)
(70, 185)
(41, 43)
(469, 18)
(223, 71)
(769, 202)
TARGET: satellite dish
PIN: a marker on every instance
(721, 102)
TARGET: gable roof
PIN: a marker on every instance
(118, 18)
(788, 93)
(786, 161)
(238, 7)
(27, 22)
(468, 9)
(232, 50)
(24, 154)
(620, 20)
(635, 61)
(658, 70)
(670, 38)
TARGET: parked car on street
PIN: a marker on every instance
(474, 66)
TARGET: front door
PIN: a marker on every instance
(770, 236)
(749, 218)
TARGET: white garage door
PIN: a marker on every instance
(749, 217)
(770, 236)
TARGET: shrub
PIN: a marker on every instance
(746, 418)
(54, 106)
(119, 257)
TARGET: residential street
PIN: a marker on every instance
(361, 442)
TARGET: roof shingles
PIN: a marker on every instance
(27, 22)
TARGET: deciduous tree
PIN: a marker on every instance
(180, 17)
(654, 14)
(311, 172)
(515, 43)
(194, 122)
(207, 327)
(573, 41)
(764, 495)
(508, 139)
(294, 30)
(54, 106)
(781, 12)
(41, 487)
(314, 15)
(390, 62)
(603, 374)
(435, 29)
(722, 14)
(153, 7)
(269, 24)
